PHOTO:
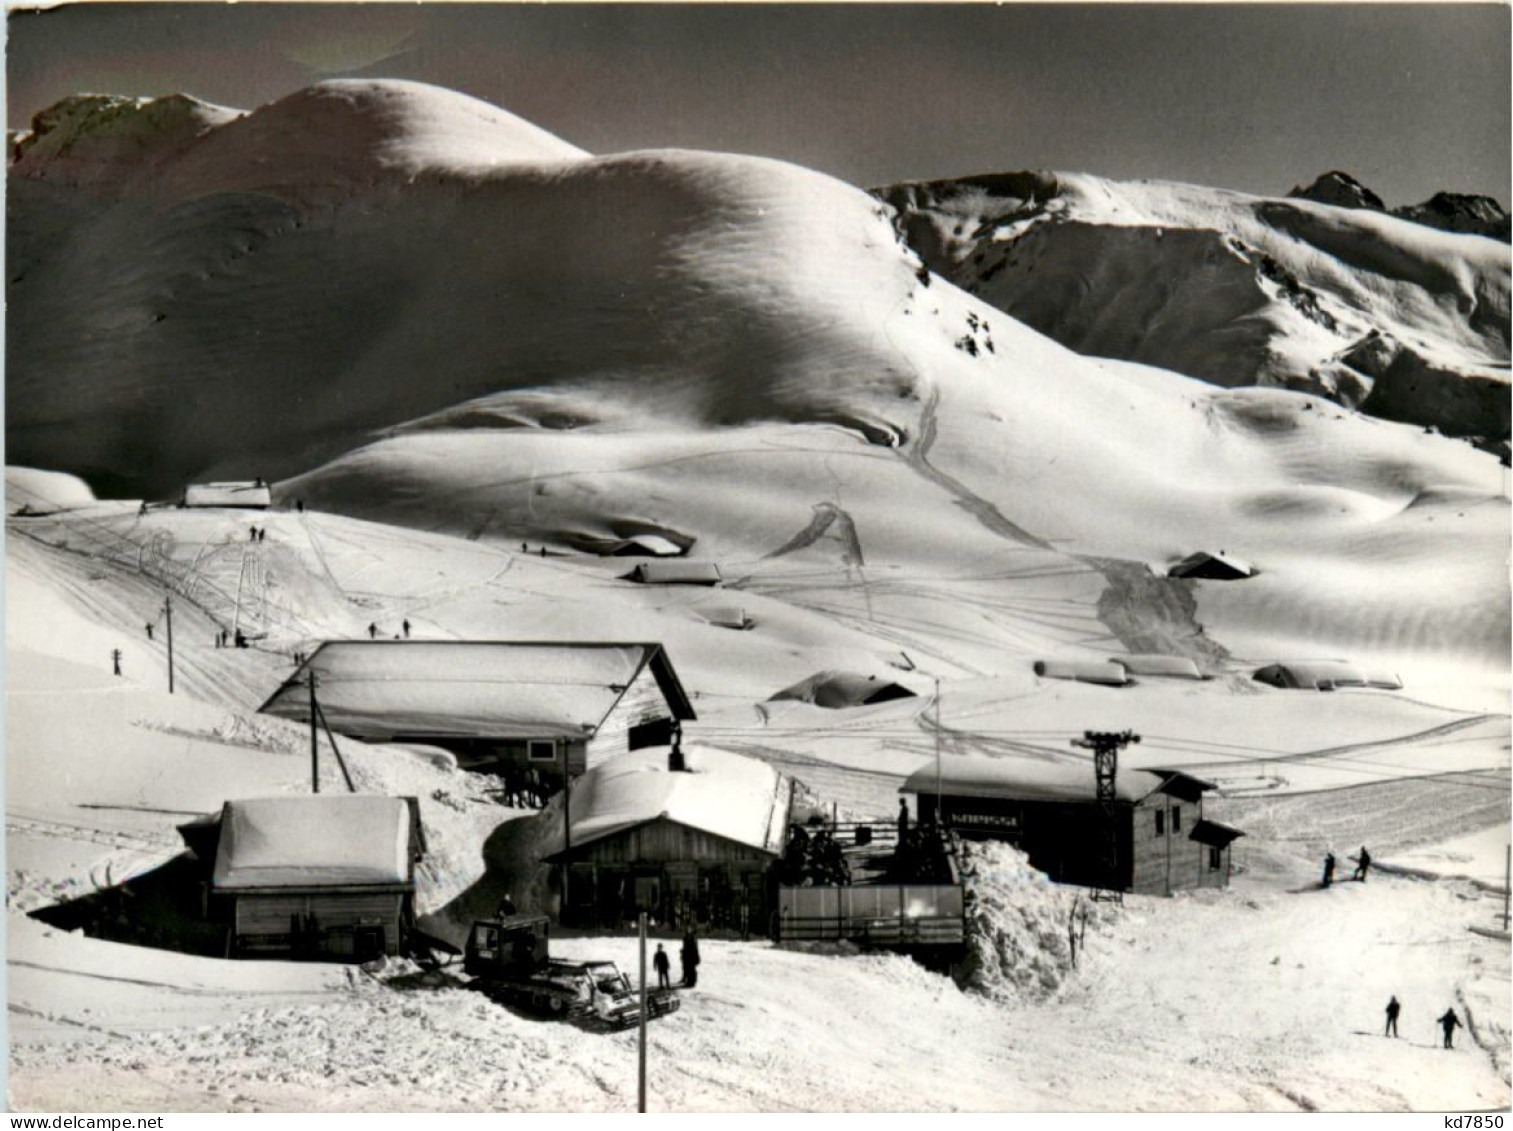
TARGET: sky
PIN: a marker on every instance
(1408, 98)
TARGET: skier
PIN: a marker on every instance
(1448, 1023)
(1393, 1009)
(663, 966)
(115, 658)
(1364, 865)
(252, 534)
(149, 632)
(372, 632)
(407, 629)
(1328, 869)
(299, 505)
(690, 957)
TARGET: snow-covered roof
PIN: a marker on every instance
(1324, 674)
(1155, 663)
(1213, 563)
(248, 494)
(380, 689)
(676, 572)
(1033, 779)
(728, 795)
(1084, 671)
(838, 690)
(316, 840)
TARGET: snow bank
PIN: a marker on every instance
(39, 490)
(1017, 925)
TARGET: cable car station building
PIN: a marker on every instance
(1163, 843)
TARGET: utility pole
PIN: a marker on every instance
(567, 830)
(641, 1072)
(168, 613)
(1507, 886)
(939, 817)
(314, 740)
(1105, 746)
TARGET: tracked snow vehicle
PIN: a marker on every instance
(508, 959)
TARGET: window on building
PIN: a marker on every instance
(1215, 859)
(1176, 819)
(542, 750)
(1160, 823)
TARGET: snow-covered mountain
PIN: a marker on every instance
(1321, 291)
(481, 360)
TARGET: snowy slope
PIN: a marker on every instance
(1408, 322)
(476, 356)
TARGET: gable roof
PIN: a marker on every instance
(726, 795)
(241, 494)
(838, 690)
(380, 689)
(1212, 564)
(676, 571)
(1034, 779)
(315, 840)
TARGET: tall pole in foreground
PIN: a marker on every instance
(168, 612)
(641, 1073)
(939, 819)
(314, 740)
(567, 829)
(1507, 887)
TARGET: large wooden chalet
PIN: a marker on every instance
(1161, 841)
(499, 706)
(691, 844)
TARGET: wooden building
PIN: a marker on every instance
(253, 495)
(499, 706)
(696, 844)
(1159, 838)
(327, 876)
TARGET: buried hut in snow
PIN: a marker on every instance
(251, 495)
(317, 876)
(1324, 675)
(676, 572)
(838, 690)
(689, 844)
(1160, 839)
(1215, 566)
(499, 706)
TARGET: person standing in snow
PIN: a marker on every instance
(406, 627)
(1328, 869)
(149, 632)
(1393, 1009)
(115, 658)
(1364, 865)
(1449, 1023)
(663, 966)
(372, 632)
(690, 957)
(903, 819)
